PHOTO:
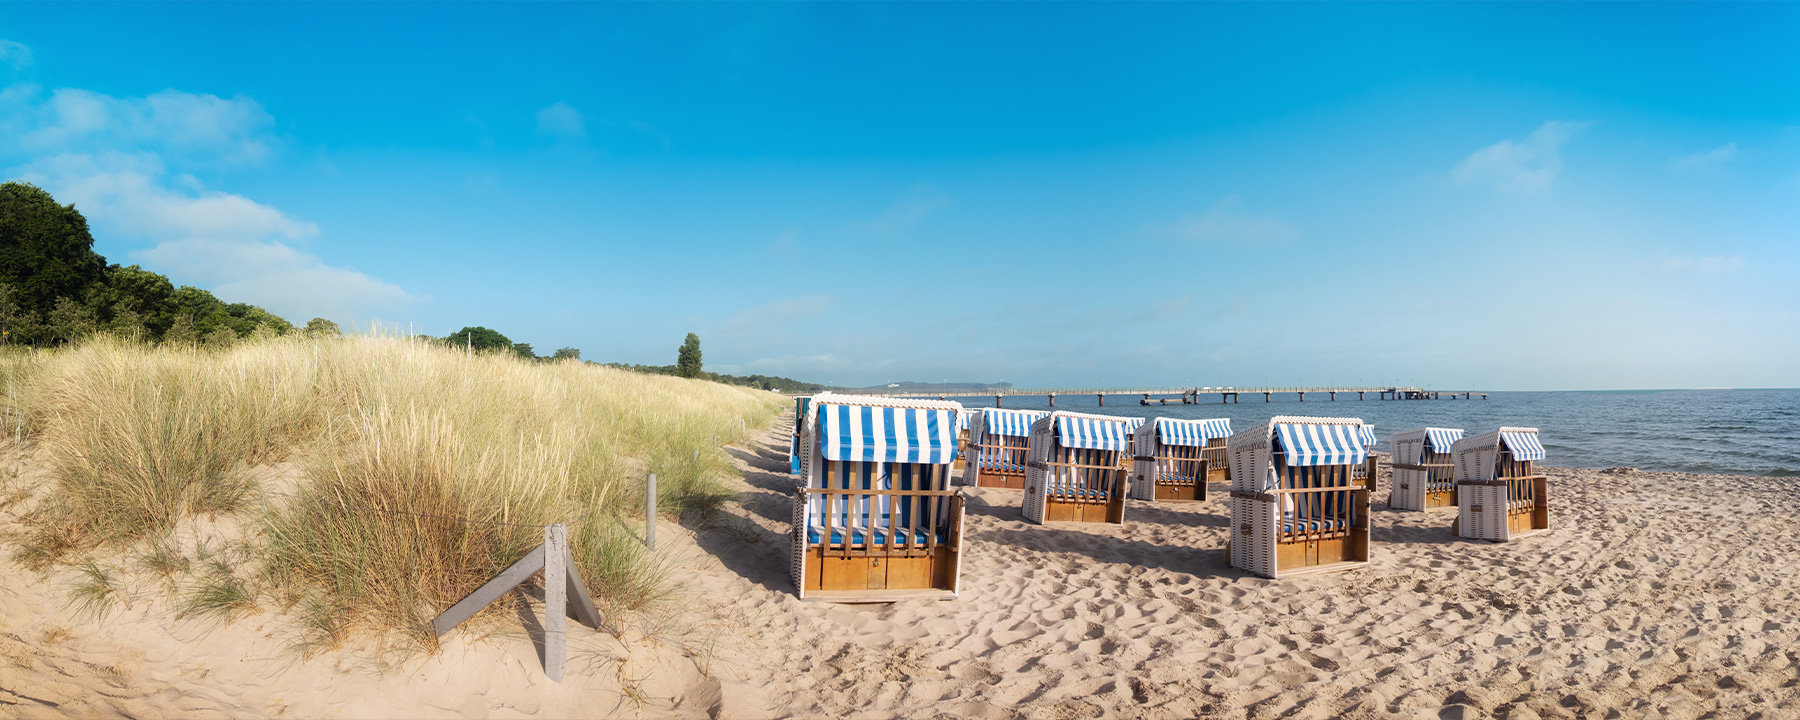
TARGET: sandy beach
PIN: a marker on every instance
(1655, 595)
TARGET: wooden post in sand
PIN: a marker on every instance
(650, 513)
(564, 592)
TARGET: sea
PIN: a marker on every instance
(1736, 432)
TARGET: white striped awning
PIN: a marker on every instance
(1307, 445)
(1094, 433)
(861, 433)
(962, 419)
(1524, 445)
(1193, 433)
(1014, 423)
(1368, 436)
(1442, 438)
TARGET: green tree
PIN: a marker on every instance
(478, 338)
(687, 359)
(17, 325)
(46, 252)
(567, 353)
(524, 350)
(322, 328)
(71, 321)
(145, 299)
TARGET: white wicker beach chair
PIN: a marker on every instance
(998, 439)
(1424, 471)
(875, 519)
(1076, 472)
(1170, 458)
(1294, 506)
(1499, 496)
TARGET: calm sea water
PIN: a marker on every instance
(1740, 432)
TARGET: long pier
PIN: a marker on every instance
(1185, 396)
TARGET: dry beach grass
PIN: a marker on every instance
(1656, 595)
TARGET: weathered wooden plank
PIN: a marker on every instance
(556, 605)
(489, 592)
(581, 604)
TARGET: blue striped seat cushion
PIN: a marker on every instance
(1078, 493)
(883, 536)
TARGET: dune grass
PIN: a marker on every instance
(422, 471)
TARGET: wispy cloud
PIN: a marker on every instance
(1226, 223)
(920, 201)
(1703, 160)
(1524, 166)
(562, 122)
(15, 54)
(1708, 265)
(117, 160)
(187, 125)
(127, 191)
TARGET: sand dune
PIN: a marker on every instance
(1656, 595)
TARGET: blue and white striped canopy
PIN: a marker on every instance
(1442, 438)
(1094, 433)
(1191, 432)
(1308, 445)
(862, 433)
(1015, 423)
(1524, 445)
(962, 419)
(1368, 436)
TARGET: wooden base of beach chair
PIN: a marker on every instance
(832, 576)
(1189, 492)
(1218, 474)
(1002, 480)
(1327, 555)
(1105, 511)
(1440, 499)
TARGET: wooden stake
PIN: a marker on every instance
(556, 601)
(650, 513)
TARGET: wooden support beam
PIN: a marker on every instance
(562, 584)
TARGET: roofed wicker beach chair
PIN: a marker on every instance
(1424, 473)
(1294, 507)
(1076, 471)
(1500, 496)
(997, 443)
(800, 405)
(875, 519)
(1171, 459)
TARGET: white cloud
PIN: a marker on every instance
(1526, 166)
(1709, 265)
(920, 201)
(1711, 158)
(562, 122)
(126, 192)
(15, 54)
(276, 276)
(1227, 224)
(184, 124)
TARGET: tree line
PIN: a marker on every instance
(55, 289)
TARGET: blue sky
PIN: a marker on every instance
(1518, 196)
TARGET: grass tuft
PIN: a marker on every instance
(219, 593)
(95, 590)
